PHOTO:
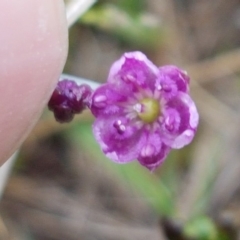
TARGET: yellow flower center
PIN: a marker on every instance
(150, 110)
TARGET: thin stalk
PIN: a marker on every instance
(5, 170)
(76, 8)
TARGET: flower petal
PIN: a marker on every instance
(171, 80)
(106, 99)
(180, 121)
(135, 70)
(121, 145)
(153, 153)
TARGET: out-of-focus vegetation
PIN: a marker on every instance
(128, 24)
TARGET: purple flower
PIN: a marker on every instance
(143, 111)
(68, 99)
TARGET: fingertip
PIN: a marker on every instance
(33, 50)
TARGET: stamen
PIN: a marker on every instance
(99, 101)
(130, 78)
(118, 122)
(169, 124)
(121, 128)
(159, 87)
(148, 151)
(138, 107)
(167, 121)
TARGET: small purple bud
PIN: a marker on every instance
(68, 99)
(63, 115)
(81, 98)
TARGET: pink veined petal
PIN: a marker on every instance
(170, 81)
(106, 99)
(143, 58)
(194, 116)
(154, 152)
(183, 139)
(176, 75)
(187, 136)
(185, 111)
(133, 70)
(157, 160)
(166, 87)
(117, 65)
(119, 147)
